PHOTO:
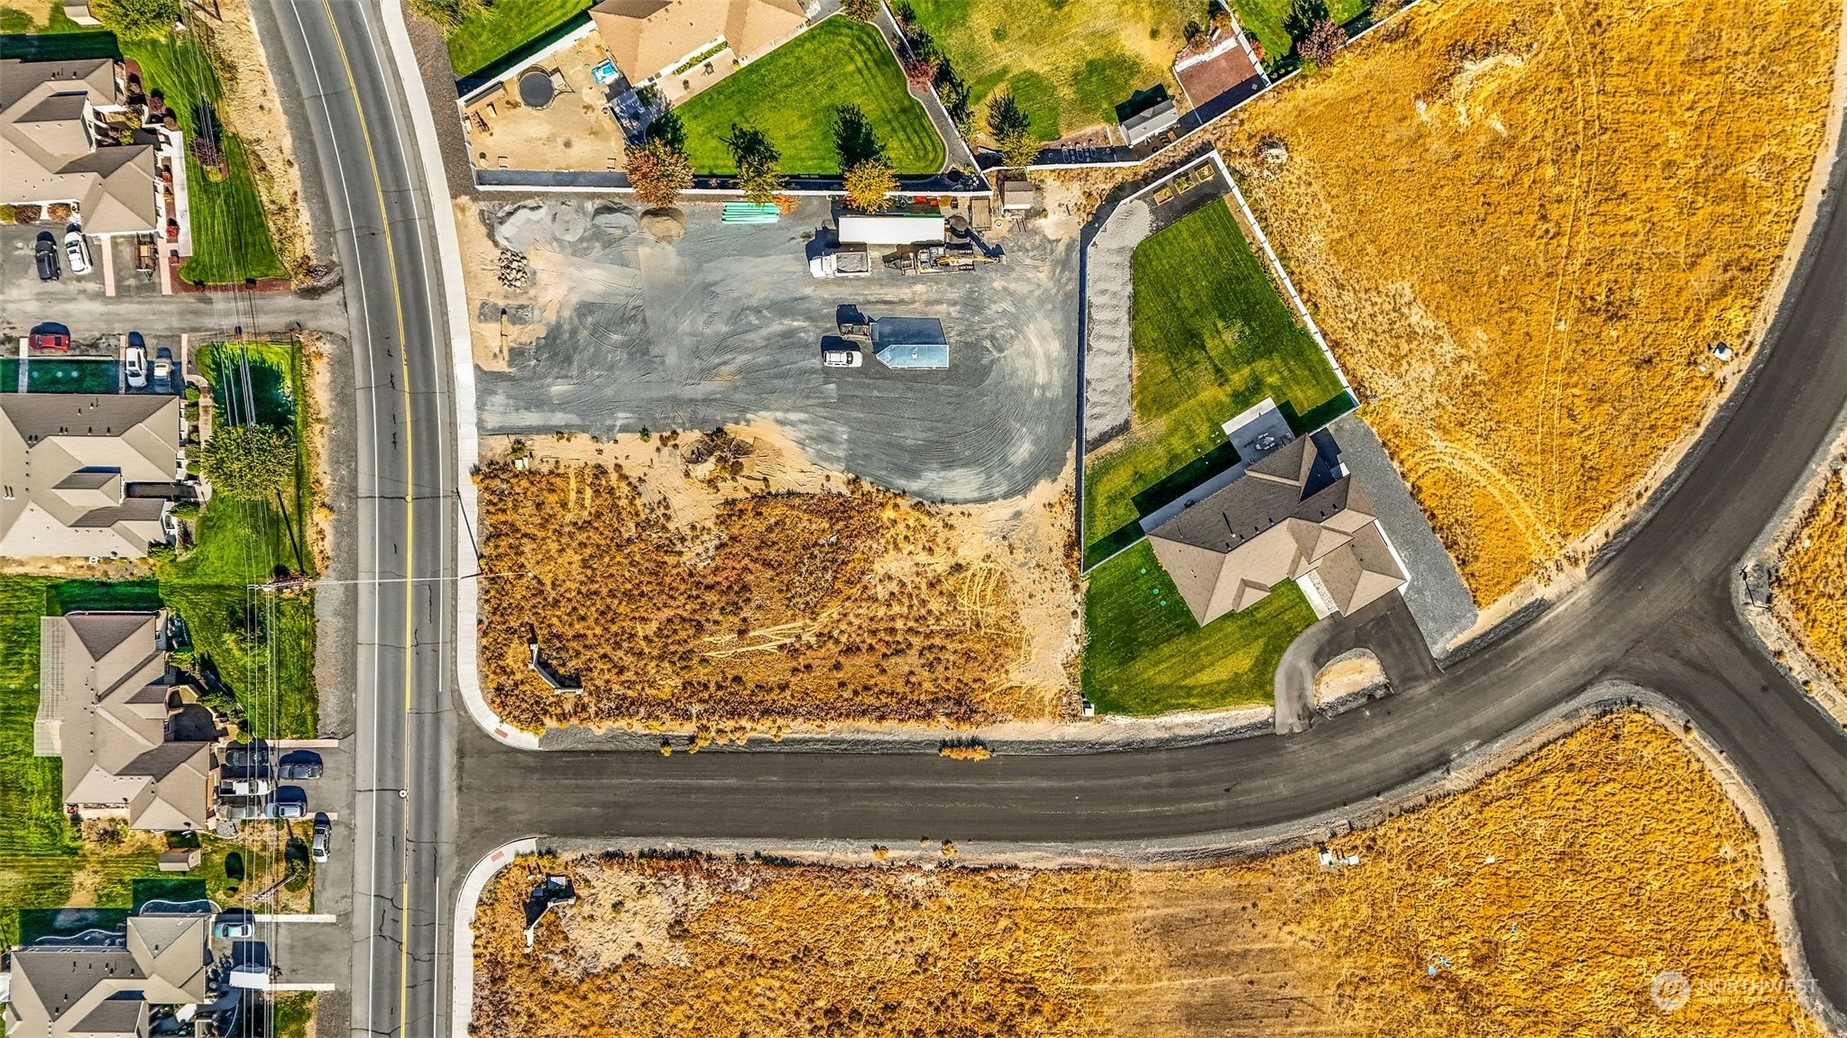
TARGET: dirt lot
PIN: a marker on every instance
(1543, 902)
(1523, 227)
(727, 585)
(635, 321)
(1811, 582)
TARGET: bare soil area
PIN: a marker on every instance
(725, 584)
(1542, 902)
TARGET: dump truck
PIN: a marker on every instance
(842, 263)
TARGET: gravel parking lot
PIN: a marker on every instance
(724, 325)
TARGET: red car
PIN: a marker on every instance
(50, 341)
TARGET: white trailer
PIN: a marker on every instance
(891, 229)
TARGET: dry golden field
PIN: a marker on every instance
(1523, 225)
(720, 585)
(1811, 582)
(1546, 898)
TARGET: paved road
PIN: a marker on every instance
(1659, 615)
(329, 55)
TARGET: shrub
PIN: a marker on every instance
(1011, 129)
(964, 749)
(920, 72)
(1220, 21)
(868, 183)
(27, 214)
(446, 13)
(249, 462)
(137, 19)
(192, 394)
(861, 10)
(1322, 44)
(59, 210)
(668, 129)
(658, 173)
(186, 510)
(206, 152)
(8, 213)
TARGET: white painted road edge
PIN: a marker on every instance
(295, 918)
(462, 958)
(461, 352)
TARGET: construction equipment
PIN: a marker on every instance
(945, 258)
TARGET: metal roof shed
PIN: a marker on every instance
(1150, 121)
(910, 342)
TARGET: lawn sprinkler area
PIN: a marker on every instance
(791, 93)
(1147, 655)
(1211, 336)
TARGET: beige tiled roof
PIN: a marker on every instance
(103, 991)
(46, 150)
(66, 460)
(649, 36)
(1285, 517)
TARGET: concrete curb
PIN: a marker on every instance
(467, 896)
(467, 437)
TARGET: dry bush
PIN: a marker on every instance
(1522, 227)
(964, 749)
(783, 608)
(1547, 898)
(1811, 581)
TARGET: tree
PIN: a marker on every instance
(658, 173)
(1011, 129)
(249, 462)
(137, 19)
(668, 129)
(920, 71)
(860, 10)
(1318, 50)
(854, 140)
(868, 182)
(1220, 19)
(757, 159)
(1304, 16)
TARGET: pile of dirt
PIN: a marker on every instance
(1524, 229)
(515, 271)
(1542, 902)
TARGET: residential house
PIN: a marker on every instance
(106, 988)
(62, 129)
(87, 476)
(649, 39)
(135, 741)
(1293, 513)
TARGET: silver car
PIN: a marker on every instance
(323, 832)
(135, 363)
(78, 250)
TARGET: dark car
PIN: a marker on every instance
(247, 756)
(49, 267)
(299, 766)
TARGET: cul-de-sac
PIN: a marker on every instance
(922, 518)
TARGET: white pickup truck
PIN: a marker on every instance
(842, 263)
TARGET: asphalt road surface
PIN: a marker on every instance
(330, 56)
(1659, 615)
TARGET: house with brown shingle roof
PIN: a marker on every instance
(55, 146)
(104, 989)
(87, 475)
(1294, 513)
(649, 38)
(135, 741)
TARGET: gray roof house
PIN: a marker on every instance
(51, 149)
(1294, 514)
(134, 739)
(104, 989)
(69, 465)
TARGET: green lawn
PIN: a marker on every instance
(492, 34)
(229, 236)
(791, 93)
(1264, 19)
(1146, 655)
(1212, 336)
(59, 375)
(1068, 62)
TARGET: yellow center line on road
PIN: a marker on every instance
(410, 500)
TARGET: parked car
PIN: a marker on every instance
(299, 766)
(289, 802)
(244, 787)
(135, 364)
(247, 755)
(323, 832)
(50, 341)
(234, 925)
(163, 370)
(244, 809)
(840, 354)
(78, 250)
(46, 251)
